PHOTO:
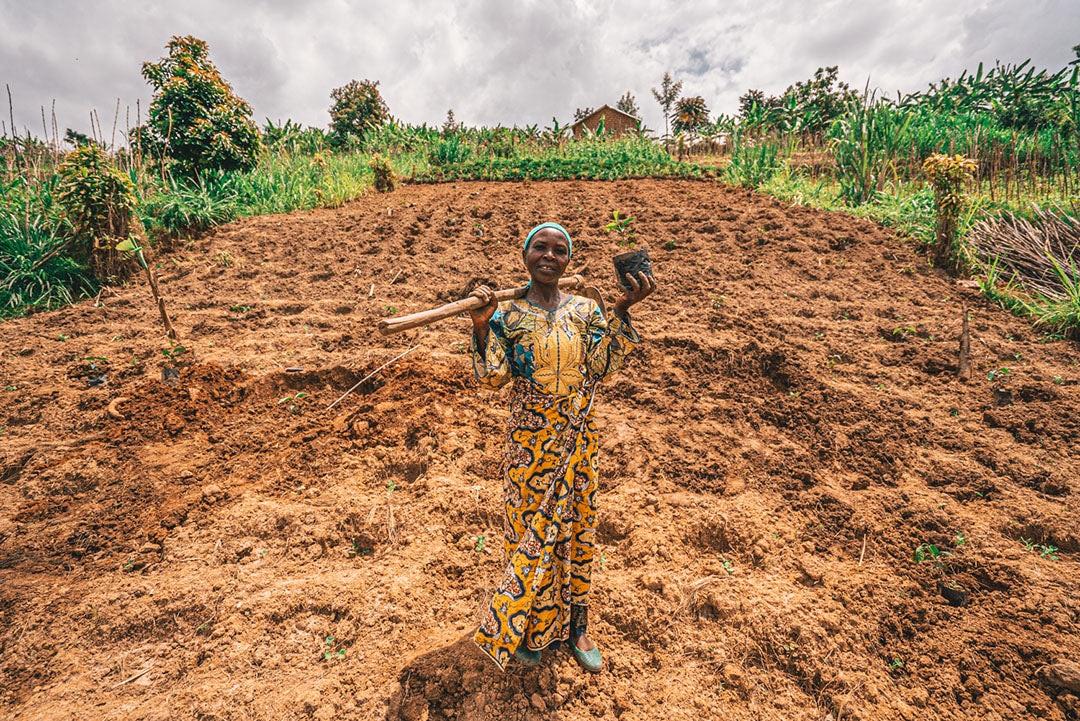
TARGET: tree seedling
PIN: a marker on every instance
(621, 228)
(174, 351)
(293, 401)
(935, 555)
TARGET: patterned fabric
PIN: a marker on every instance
(555, 360)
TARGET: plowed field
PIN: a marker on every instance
(790, 431)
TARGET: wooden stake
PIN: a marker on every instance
(963, 371)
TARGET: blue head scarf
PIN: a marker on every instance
(556, 226)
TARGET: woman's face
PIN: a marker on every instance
(547, 256)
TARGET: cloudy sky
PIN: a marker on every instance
(507, 61)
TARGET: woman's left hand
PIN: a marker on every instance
(640, 289)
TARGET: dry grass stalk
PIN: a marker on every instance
(1027, 249)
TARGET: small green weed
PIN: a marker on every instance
(328, 650)
(294, 402)
(996, 373)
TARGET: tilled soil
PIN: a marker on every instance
(791, 430)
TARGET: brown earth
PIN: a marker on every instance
(788, 434)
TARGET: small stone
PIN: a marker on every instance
(211, 493)
(537, 702)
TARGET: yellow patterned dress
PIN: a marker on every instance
(555, 360)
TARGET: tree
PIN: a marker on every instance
(691, 114)
(669, 93)
(77, 139)
(450, 125)
(582, 113)
(628, 105)
(195, 118)
(749, 99)
(823, 94)
(357, 107)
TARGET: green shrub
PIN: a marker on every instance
(385, 180)
(947, 174)
(195, 118)
(357, 108)
(99, 203)
(33, 271)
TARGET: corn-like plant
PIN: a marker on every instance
(753, 161)
(865, 142)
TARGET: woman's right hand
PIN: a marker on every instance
(481, 315)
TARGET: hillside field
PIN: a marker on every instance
(788, 434)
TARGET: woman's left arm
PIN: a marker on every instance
(610, 342)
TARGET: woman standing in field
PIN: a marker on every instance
(555, 348)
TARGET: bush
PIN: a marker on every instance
(99, 203)
(357, 107)
(195, 118)
(385, 180)
(947, 174)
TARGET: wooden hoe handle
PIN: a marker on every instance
(390, 326)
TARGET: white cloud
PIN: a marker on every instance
(503, 62)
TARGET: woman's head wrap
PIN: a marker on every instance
(556, 226)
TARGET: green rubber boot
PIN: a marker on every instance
(526, 656)
(588, 660)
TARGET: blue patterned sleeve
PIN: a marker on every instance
(609, 342)
(491, 364)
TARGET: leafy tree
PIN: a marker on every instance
(582, 113)
(450, 125)
(667, 95)
(357, 107)
(823, 95)
(77, 139)
(195, 118)
(628, 105)
(691, 114)
(749, 99)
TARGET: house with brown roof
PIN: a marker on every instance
(615, 121)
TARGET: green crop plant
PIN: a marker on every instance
(330, 652)
(195, 118)
(865, 142)
(294, 402)
(754, 161)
